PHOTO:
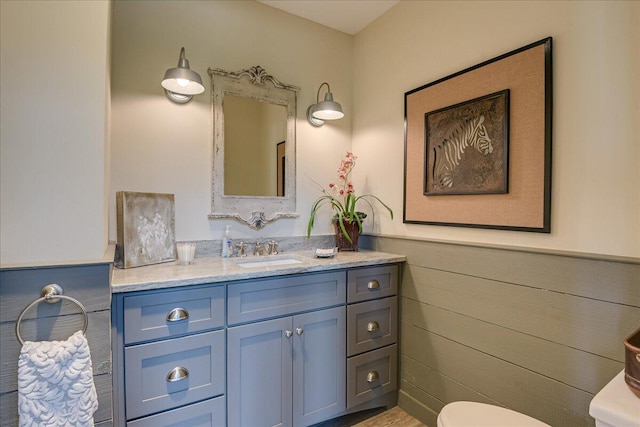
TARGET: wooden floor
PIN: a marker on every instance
(394, 417)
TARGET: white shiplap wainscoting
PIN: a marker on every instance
(539, 332)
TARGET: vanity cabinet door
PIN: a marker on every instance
(259, 370)
(319, 366)
(287, 372)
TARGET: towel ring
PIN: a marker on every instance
(51, 294)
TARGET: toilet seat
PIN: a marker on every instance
(474, 414)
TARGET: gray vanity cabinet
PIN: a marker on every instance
(170, 346)
(288, 371)
(289, 351)
(372, 366)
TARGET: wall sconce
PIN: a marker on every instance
(326, 110)
(180, 83)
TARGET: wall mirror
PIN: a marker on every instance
(254, 147)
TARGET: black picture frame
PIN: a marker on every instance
(526, 205)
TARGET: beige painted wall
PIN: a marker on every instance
(53, 130)
(54, 133)
(596, 142)
(159, 146)
(596, 157)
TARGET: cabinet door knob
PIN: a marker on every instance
(299, 331)
(288, 334)
(177, 374)
(373, 284)
(372, 326)
(177, 314)
(372, 376)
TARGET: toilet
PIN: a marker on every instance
(474, 414)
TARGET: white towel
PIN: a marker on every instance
(55, 383)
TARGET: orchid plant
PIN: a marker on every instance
(342, 199)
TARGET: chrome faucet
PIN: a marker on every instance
(259, 249)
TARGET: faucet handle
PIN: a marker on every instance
(242, 249)
(258, 248)
(273, 247)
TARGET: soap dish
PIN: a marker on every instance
(632, 362)
(325, 253)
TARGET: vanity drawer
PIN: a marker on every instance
(172, 313)
(372, 374)
(263, 299)
(372, 282)
(210, 413)
(371, 325)
(148, 387)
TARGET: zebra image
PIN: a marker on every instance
(448, 153)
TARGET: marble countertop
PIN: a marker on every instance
(215, 269)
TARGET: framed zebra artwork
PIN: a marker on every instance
(467, 147)
(478, 145)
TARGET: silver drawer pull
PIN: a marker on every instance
(288, 334)
(373, 326)
(373, 284)
(177, 374)
(372, 376)
(177, 314)
(299, 331)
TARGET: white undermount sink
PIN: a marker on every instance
(268, 261)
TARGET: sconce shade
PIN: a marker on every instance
(326, 110)
(181, 83)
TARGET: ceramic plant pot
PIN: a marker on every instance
(632, 362)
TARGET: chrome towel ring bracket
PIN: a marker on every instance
(51, 294)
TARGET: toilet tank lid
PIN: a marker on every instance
(616, 405)
(481, 414)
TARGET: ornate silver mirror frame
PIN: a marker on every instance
(253, 83)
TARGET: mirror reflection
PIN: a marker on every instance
(255, 132)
